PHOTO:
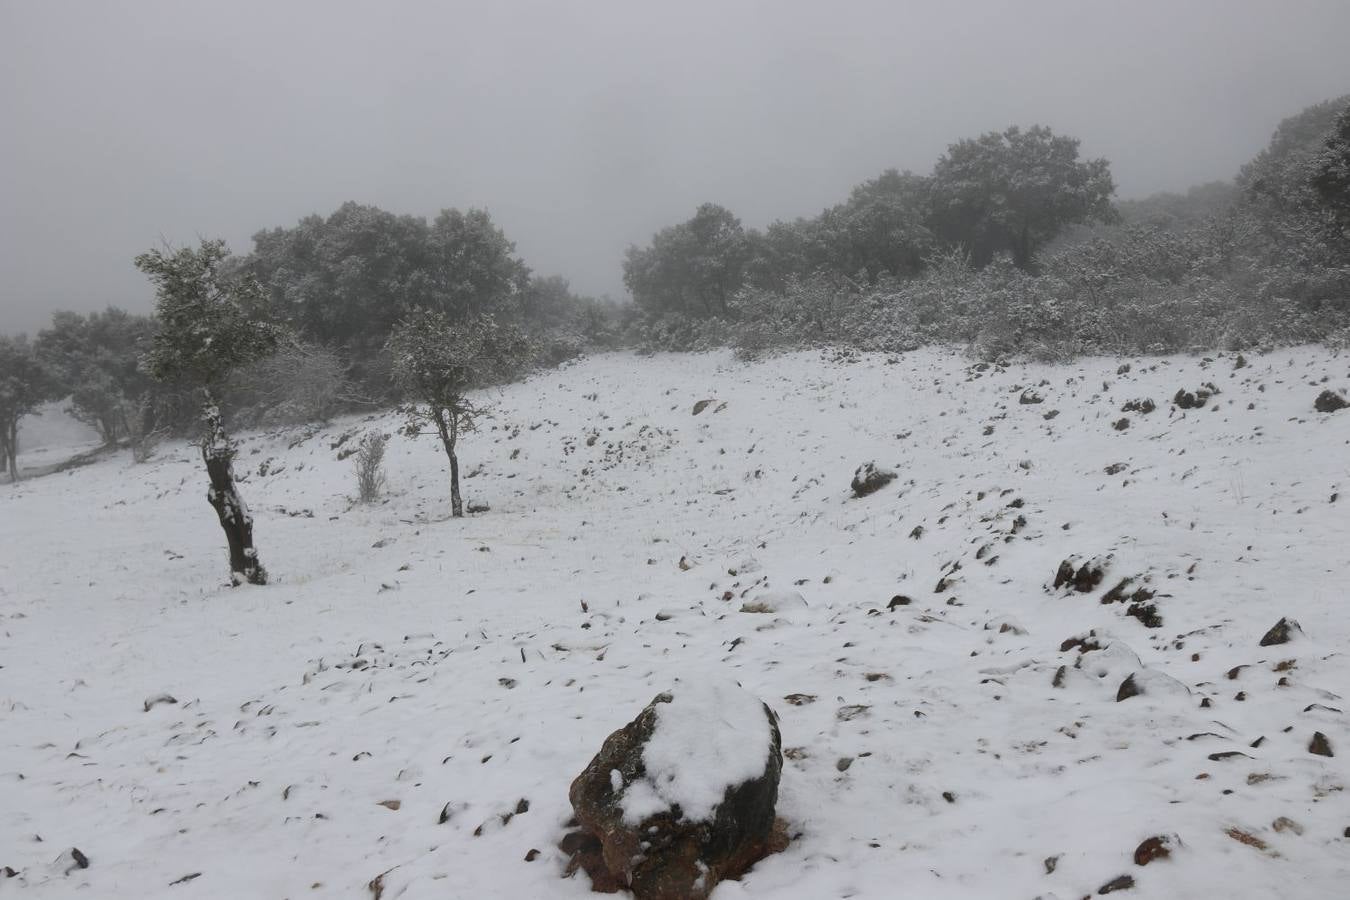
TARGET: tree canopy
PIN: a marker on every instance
(1013, 191)
(693, 267)
(210, 325)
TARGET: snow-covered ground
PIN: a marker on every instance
(413, 694)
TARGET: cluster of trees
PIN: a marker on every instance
(213, 321)
(361, 307)
(91, 360)
(1012, 244)
(344, 281)
(1004, 192)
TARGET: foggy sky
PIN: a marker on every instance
(584, 126)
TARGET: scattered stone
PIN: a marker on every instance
(1243, 837)
(1284, 823)
(1083, 643)
(1115, 468)
(1120, 883)
(531, 855)
(394, 805)
(898, 600)
(1282, 632)
(1030, 397)
(701, 405)
(800, 699)
(1319, 745)
(1121, 424)
(185, 879)
(843, 764)
(870, 478)
(1145, 612)
(1329, 401)
(1157, 847)
(157, 699)
(71, 860)
(1050, 863)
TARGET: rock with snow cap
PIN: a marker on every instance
(682, 797)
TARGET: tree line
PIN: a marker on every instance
(1012, 244)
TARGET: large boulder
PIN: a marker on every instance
(682, 797)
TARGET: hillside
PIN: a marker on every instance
(950, 746)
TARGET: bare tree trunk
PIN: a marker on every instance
(218, 454)
(448, 426)
(456, 504)
(12, 450)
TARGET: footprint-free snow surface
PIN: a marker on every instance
(401, 712)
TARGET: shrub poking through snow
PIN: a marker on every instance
(682, 797)
(370, 478)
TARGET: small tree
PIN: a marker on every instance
(436, 364)
(25, 384)
(209, 327)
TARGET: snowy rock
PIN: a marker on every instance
(682, 797)
(1282, 632)
(1083, 578)
(774, 602)
(1030, 397)
(69, 861)
(1150, 683)
(1142, 406)
(1157, 847)
(870, 478)
(1329, 401)
(1184, 399)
